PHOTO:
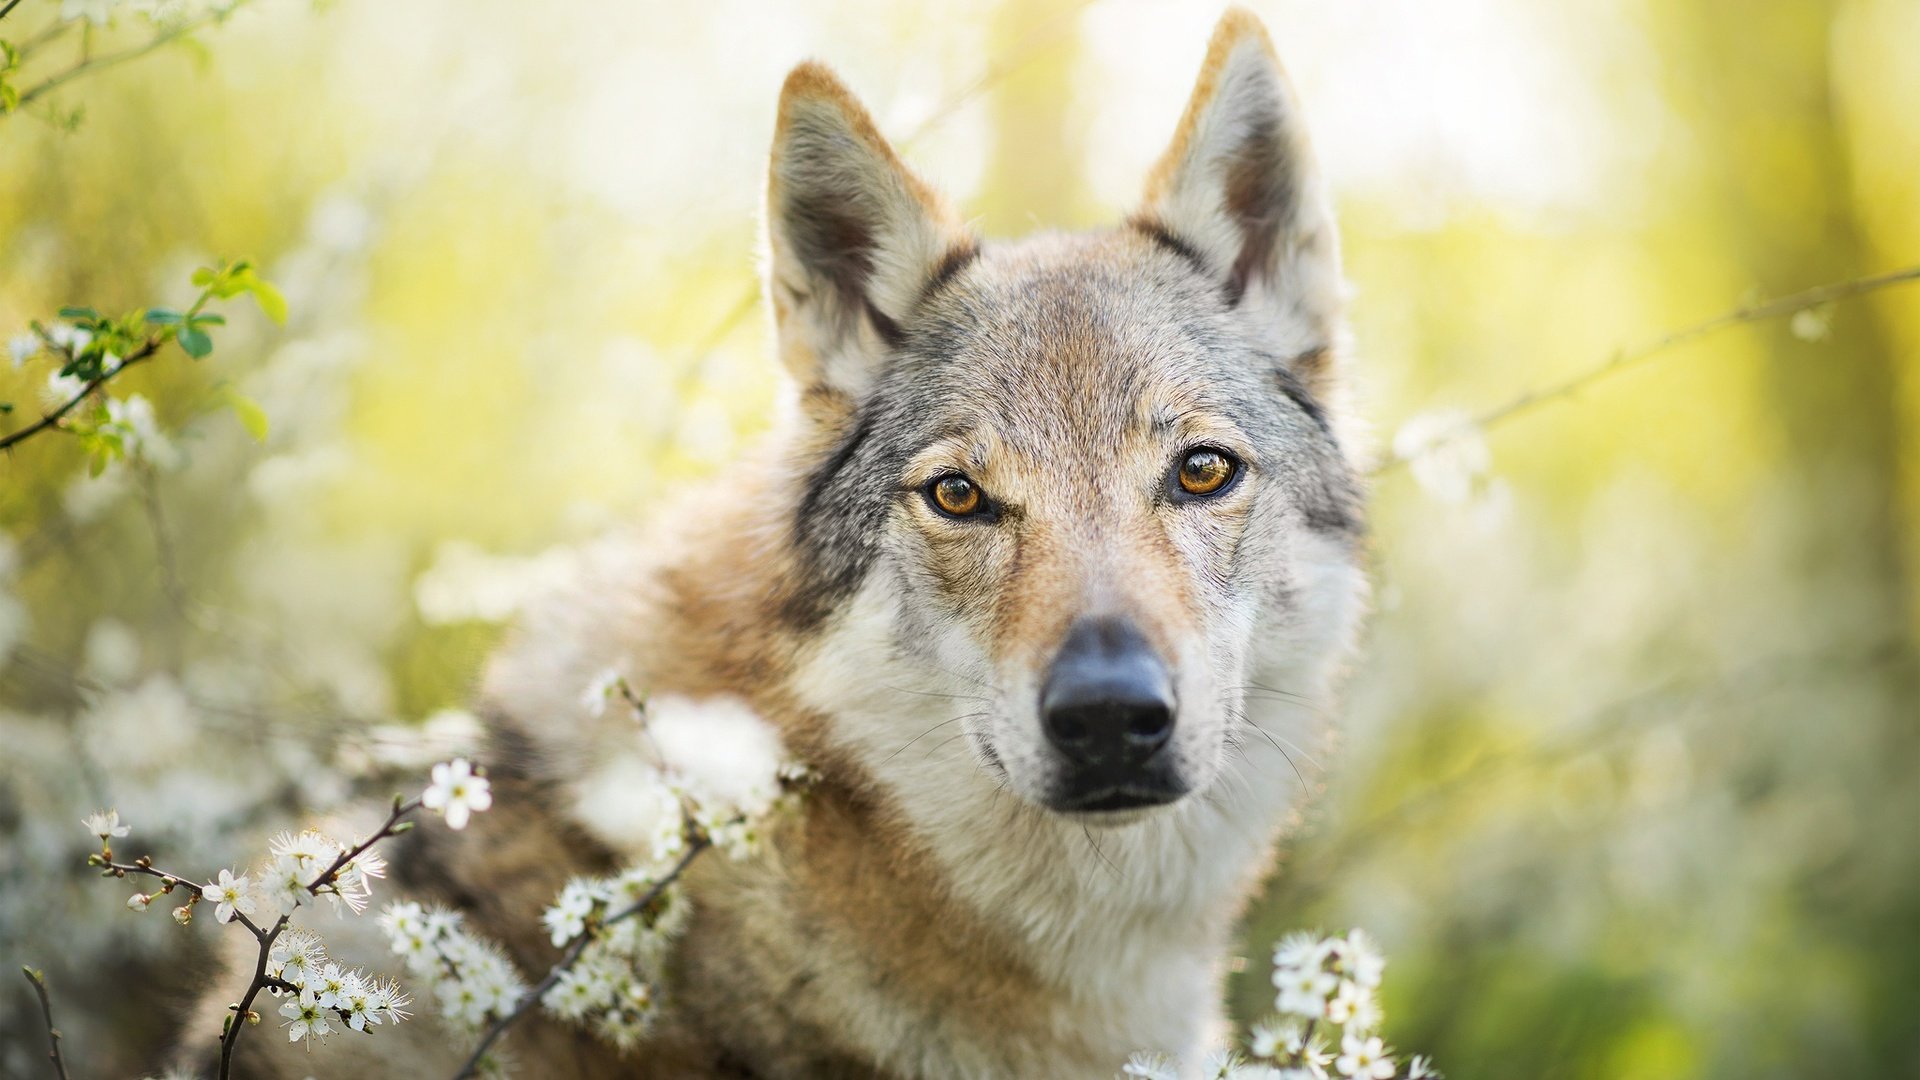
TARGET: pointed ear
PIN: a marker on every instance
(1238, 190)
(854, 237)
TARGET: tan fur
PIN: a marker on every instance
(929, 915)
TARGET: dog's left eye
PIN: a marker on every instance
(957, 497)
(1206, 471)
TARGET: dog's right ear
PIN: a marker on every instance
(854, 237)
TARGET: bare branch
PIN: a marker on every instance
(1627, 359)
(97, 63)
(46, 1013)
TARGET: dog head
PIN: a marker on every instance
(1089, 487)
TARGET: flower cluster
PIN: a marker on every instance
(471, 977)
(319, 991)
(613, 931)
(300, 870)
(1326, 1024)
(627, 922)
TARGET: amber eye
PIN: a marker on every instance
(1206, 472)
(956, 496)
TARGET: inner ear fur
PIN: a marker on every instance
(854, 237)
(1238, 191)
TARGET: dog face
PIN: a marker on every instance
(1090, 482)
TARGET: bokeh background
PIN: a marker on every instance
(1630, 785)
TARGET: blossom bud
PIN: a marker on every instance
(138, 901)
(183, 914)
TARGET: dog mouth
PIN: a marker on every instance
(1117, 795)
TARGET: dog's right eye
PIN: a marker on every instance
(957, 497)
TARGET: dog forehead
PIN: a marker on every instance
(1072, 337)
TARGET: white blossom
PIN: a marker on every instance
(140, 431)
(1304, 990)
(22, 348)
(600, 692)
(1812, 324)
(105, 824)
(457, 792)
(567, 918)
(68, 336)
(1150, 1066)
(284, 884)
(139, 901)
(1446, 451)
(1364, 1059)
(1359, 959)
(228, 894)
(296, 956)
(307, 1019)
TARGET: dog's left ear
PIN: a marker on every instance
(855, 239)
(1238, 190)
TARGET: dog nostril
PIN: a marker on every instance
(1066, 725)
(1150, 723)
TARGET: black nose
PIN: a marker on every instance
(1108, 699)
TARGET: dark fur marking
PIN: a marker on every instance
(1159, 234)
(826, 533)
(957, 259)
(1297, 392)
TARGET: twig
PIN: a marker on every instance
(53, 418)
(1626, 359)
(401, 808)
(4, 12)
(572, 956)
(95, 63)
(46, 1005)
(264, 936)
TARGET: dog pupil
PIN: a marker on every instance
(1205, 471)
(956, 495)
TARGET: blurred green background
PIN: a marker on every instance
(1628, 784)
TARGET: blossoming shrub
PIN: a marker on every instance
(1325, 1022)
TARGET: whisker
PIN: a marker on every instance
(935, 693)
(1095, 844)
(1297, 774)
(931, 730)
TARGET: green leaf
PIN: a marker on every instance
(6, 407)
(196, 342)
(208, 320)
(205, 276)
(86, 313)
(251, 415)
(269, 299)
(164, 317)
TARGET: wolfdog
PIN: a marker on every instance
(1054, 553)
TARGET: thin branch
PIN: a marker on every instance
(53, 418)
(96, 63)
(264, 936)
(229, 1037)
(4, 12)
(1627, 359)
(46, 1005)
(572, 956)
